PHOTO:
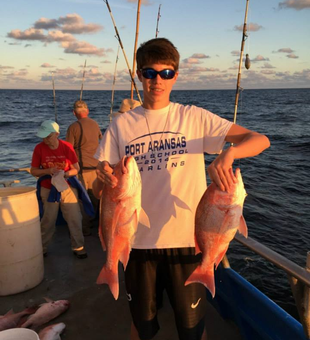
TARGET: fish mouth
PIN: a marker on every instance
(125, 161)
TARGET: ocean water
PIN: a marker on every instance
(277, 208)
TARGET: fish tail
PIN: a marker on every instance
(109, 277)
(206, 277)
(31, 310)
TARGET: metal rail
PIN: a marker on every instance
(298, 277)
(280, 261)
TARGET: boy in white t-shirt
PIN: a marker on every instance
(168, 141)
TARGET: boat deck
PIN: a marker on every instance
(93, 312)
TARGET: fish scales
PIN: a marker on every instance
(218, 217)
(120, 212)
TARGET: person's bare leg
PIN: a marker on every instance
(134, 333)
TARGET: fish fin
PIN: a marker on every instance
(206, 277)
(109, 277)
(47, 299)
(197, 249)
(144, 219)
(243, 229)
(220, 257)
(124, 256)
(181, 204)
(10, 312)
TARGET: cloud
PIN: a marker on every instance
(28, 34)
(292, 56)
(251, 27)
(191, 61)
(61, 30)
(235, 53)
(6, 67)
(89, 66)
(82, 48)
(105, 62)
(267, 72)
(200, 56)
(44, 23)
(74, 77)
(259, 58)
(15, 75)
(295, 4)
(74, 23)
(15, 43)
(267, 66)
(61, 75)
(284, 50)
(71, 23)
(47, 65)
(59, 36)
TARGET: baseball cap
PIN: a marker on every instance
(128, 104)
(47, 127)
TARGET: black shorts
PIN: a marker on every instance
(148, 273)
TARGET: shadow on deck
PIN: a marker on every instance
(93, 312)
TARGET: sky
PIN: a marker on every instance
(49, 41)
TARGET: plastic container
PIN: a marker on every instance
(19, 334)
(21, 255)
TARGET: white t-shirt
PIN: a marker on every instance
(168, 145)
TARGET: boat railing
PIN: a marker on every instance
(298, 277)
(8, 183)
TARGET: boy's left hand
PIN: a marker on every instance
(220, 170)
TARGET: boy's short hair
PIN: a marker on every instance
(158, 50)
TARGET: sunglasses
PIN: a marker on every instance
(150, 73)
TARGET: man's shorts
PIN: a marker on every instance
(148, 273)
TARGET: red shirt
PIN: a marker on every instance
(43, 157)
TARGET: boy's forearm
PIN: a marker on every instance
(252, 145)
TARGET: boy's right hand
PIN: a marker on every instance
(105, 174)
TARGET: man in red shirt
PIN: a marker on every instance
(50, 157)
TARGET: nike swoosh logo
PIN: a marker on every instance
(194, 305)
(129, 297)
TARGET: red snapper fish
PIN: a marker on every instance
(11, 319)
(52, 332)
(47, 312)
(120, 213)
(218, 217)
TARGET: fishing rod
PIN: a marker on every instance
(121, 45)
(158, 16)
(247, 60)
(135, 46)
(83, 80)
(54, 97)
(113, 85)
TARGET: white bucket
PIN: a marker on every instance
(19, 334)
(21, 255)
